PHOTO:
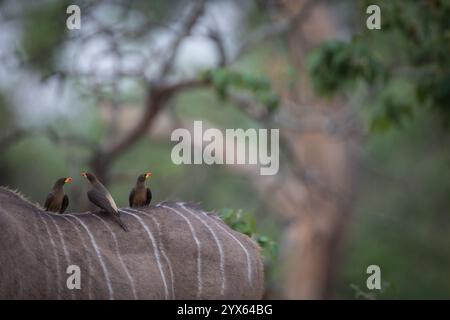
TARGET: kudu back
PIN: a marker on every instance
(172, 251)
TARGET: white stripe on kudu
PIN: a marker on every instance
(55, 252)
(197, 242)
(124, 266)
(155, 250)
(219, 245)
(83, 243)
(249, 265)
(66, 253)
(41, 249)
(163, 252)
(97, 251)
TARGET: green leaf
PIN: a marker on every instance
(225, 80)
(245, 223)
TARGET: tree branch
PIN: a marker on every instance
(216, 38)
(156, 99)
(186, 29)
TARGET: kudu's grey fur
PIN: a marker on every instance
(172, 251)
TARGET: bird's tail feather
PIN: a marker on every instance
(122, 224)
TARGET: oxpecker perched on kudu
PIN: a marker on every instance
(140, 196)
(57, 200)
(101, 197)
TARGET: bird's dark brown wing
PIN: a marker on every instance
(65, 204)
(149, 197)
(131, 197)
(101, 201)
(48, 201)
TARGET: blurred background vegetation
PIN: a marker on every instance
(363, 116)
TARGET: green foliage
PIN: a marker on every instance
(413, 45)
(44, 29)
(393, 106)
(225, 80)
(245, 223)
(401, 221)
(337, 65)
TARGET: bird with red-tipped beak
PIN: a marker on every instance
(57, 200)
(140, 195)
(100, 196)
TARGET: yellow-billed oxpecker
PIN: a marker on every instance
(101, 197)
(140, 196)
(57, 200)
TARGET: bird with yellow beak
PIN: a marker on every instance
(57, 200)
(140, 195)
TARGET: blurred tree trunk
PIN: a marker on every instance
(320, 214)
